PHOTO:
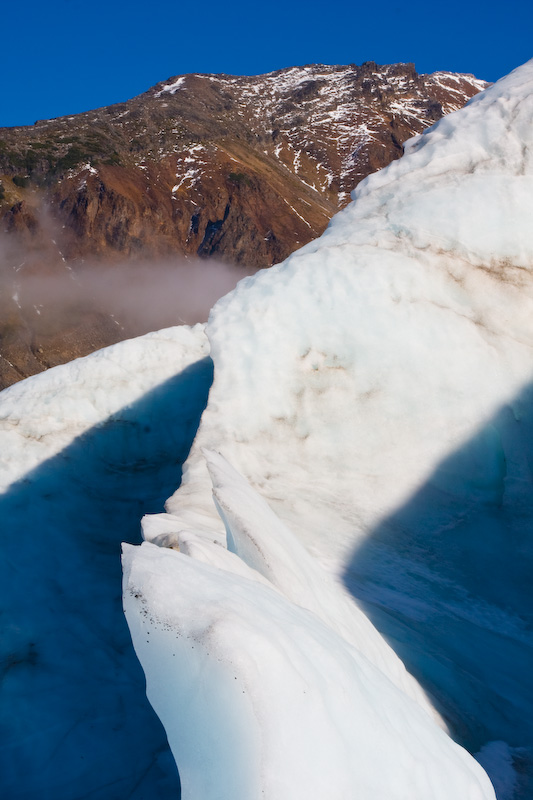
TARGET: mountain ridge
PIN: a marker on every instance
(244, 169)
(206, 141)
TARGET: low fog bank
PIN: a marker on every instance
(140, 296)
(52, 311)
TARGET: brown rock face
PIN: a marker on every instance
(245, 169)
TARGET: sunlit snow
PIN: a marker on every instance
(374, 390)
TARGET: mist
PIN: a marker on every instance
(138, 295)
(53, 309)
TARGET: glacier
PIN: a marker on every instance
(375, 390)
(354, 499)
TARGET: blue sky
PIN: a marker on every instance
(67, 56)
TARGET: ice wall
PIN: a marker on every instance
(344, 380)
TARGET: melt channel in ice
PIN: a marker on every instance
(374, 390)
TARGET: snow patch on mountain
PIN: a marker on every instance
(171, 88)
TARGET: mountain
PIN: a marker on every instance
(247, 168)
(363, 455)
(243, 169)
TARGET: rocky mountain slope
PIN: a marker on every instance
(246, 169)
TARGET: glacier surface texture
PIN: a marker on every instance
(366, 447)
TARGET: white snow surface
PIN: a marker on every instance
(385, 343)
(69, 399)
(374, 389)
